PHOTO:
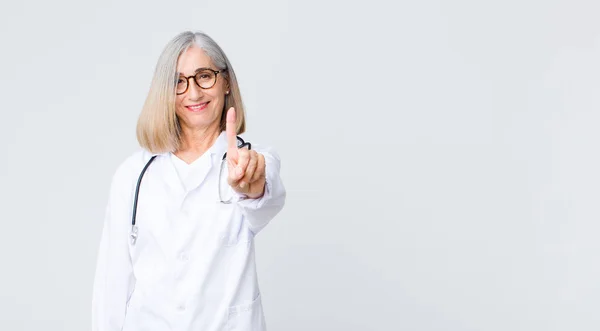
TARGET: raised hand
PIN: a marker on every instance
(246, 167)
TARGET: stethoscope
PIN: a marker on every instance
(134, 227)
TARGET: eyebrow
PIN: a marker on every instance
(195, 72)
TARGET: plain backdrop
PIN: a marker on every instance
(441, 157)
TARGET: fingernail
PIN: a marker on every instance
(243, 184)
(238, 171)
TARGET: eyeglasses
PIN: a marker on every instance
(205, 78)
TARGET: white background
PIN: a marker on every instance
(441, 157)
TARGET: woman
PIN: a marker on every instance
(188, 263)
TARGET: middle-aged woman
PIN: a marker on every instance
(188, 263)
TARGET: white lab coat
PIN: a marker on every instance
(193, 265)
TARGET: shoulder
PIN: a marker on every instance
(270, 153)
(262, 147)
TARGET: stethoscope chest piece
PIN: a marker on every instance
(134, 234)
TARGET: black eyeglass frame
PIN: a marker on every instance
(187, 79)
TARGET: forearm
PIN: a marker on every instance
(259, 211)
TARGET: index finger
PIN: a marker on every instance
(230, 128)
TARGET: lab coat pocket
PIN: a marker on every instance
(232, 240)
(248, 317)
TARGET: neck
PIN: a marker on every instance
(195, 141)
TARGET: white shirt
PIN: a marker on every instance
(192, 266)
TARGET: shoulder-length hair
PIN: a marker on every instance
(158, 128)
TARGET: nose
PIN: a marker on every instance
(194, 91)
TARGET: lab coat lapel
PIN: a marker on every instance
(219, 148)
(171, 176)
(216, 153)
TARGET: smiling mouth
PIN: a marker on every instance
(198, 107)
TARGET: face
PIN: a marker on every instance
(198, 108)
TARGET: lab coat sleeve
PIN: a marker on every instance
(259, 212)
(114, 280)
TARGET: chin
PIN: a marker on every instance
(199, 121)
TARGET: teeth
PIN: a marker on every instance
(197, 106)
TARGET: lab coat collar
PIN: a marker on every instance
(219, 147)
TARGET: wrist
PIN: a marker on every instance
(257, 195)
(254, 196)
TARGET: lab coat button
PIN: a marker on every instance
(184, 257)
(181, 308)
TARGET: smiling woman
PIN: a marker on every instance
(187, 57)
(190, 264)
